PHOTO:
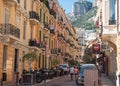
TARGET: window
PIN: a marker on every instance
(40, 15)
(39, 60)
(16, 60)
(31, 32)
(32, 4)
(24, 29)
(18, 21)
(44, 18)
(40, 36)
(43, 60)
(49, 44)
(52, 44)
(4, 57)
(18, 1)
(112, 12)
(23, 65)
(25, 4)
(7, 15)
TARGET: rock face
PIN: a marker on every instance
(84, 21)
(81, 7)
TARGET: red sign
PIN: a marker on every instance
(96, 47)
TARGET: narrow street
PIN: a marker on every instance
(65, 81)
(61, 81)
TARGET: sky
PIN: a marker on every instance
(67, 4)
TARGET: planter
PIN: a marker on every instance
(28, 79)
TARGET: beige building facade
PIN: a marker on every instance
(34, 26)
(109, 25)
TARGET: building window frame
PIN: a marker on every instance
(16, 60)
(25, 4)
(40, 15)
(112, 17)
(31, 31)
(24, 30)
(7, 15)
(5, 52)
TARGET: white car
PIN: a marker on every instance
(65, 68)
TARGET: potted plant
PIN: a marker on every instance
(29, 78)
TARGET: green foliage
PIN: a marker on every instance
(73, 62)
(85, 21)
(55, 62)
(31, 56)
(87, 59)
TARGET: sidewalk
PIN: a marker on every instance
(105, 81)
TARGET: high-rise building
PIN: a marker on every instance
(80, 7)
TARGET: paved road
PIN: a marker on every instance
(61, 81)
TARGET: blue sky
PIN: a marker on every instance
(67, 4)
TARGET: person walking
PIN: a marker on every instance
(100, 70)
(76, 71)
(71, 72)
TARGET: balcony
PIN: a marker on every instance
(62, 37)
(33, 43)
(112, 22)
(34, 17)
(52, 12)
(55, 51)
(46, 25)
(52, 31)
(9, 29)
(12, 2)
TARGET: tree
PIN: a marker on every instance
(31, 56)
(87, 59)
(55, 62)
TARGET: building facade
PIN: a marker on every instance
(39, 26)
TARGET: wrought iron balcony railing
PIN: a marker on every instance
(55, 51)
(33, 42)
(46, 25)
(52, 31)
(9, 29)
(112, 22)
(34, 15)
(62, 37)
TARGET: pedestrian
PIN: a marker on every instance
(100, 69)
(71, 72)
(76, 71)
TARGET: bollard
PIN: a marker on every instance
(1, 82)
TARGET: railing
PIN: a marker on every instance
(52, 31)
(52, 13)
(9, 29)
(112, 22)
(61, 36)
(34, 15)
(46, 25)
(33, 42)
(55, 51)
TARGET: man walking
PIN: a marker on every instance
(71, 72)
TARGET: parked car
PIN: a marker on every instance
(80, 78)
(65, 68)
